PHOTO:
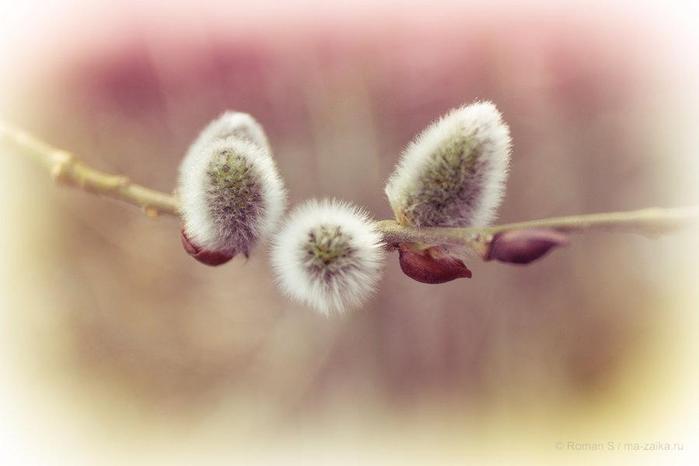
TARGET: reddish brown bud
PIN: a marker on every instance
(205, 256)
(524, 246)
(432, 265)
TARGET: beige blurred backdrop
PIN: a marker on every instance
(117, 346)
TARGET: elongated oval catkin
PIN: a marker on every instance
(453, 173)
(229, 187)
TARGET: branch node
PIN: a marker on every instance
(119, 182)
(62, 166)
(151, 212)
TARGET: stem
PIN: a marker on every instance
(68, 169)
(65, 168)
(649, 222)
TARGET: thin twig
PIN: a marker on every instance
(648, 222)
(68, 169)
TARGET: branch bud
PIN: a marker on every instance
(432, 265)
(205, 256)
(524, 246)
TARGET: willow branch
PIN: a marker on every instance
(67, 169)
(648, 222)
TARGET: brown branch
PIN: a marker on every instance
(649, 222)
(65, 168)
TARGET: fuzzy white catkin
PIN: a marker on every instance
(453, 174)
(229, 187)
(237, 125)
(328, 255)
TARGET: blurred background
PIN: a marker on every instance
(117, 346)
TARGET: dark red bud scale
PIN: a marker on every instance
(432, 265)
(205, 256)
(524, 246)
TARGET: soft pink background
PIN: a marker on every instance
(598, 118)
